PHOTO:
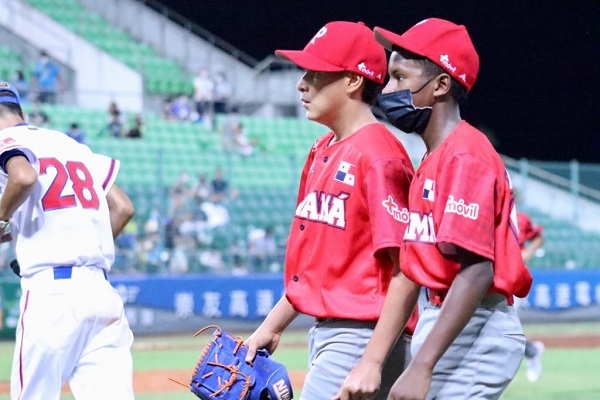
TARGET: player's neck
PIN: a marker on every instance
(351, 121)
(440, 126)
(10, 120)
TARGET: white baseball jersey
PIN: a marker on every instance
(65, 221)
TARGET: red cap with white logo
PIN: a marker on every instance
(342, 46)
(442, 42)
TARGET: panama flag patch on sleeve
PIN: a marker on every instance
(343, 173)
(429, 190)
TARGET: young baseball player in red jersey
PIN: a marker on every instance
(531, 238)
(351, 212)
(461, 243)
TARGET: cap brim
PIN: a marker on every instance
(9, 88)
(390, 39)
(384, 37)
(307, 61)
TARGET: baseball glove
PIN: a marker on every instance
(222, 372)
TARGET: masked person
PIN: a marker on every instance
(462, 241)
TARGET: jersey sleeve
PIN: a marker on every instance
(467, 188)
(105, 169)
(9, 144)
(386, 184)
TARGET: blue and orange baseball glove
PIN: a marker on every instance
(222, 372)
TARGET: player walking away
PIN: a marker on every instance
(531, 239)
(351, 212)
(64, 211)
(461, 243)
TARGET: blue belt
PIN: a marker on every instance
(65, 272)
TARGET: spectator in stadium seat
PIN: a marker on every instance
(219, 184)
(113, 109)
(244, 145)
(213, 260)
(178, 227)
(47, 79)
(135, 132)
(202, 189)
(180, 108)
(204, 88)
(238, 254)
(152, 256)
(262, 249)
(216, 213)
(115, 127)
(222, 93)
(76, 133)
(180, 188)
(178, 262)
(115, 120)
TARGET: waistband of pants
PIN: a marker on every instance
(352, 324)
(320, 320)
(66, 272)
(436, 298)
(62, 273)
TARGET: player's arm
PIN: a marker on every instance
(121, 209)
(466, 292)
(399, 304)
(21, 180)
(267, 335)
(531, 248)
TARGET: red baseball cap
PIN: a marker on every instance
(442, 42)
(342, 46)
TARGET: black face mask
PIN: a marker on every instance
(399, 109)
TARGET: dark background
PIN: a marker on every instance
(537, 94)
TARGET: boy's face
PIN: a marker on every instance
(407, 74)
(321, 93)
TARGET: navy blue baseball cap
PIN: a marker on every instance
(9, 99)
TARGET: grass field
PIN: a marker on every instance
(569, 374)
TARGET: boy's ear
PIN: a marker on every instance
(443, 83)
(355, 82)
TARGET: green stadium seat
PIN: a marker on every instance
(121, 45)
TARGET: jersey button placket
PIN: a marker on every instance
(325, 159)
(295, 278)
(302, 227)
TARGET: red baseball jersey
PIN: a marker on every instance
(352, 203)
(527, 229)
(462, 196)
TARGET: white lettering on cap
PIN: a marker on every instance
(445, 59)
(363, 68)
(319, 34)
